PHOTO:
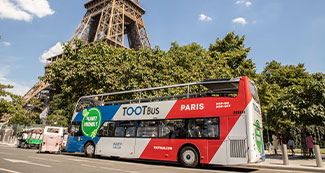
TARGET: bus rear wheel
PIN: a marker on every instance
(89, 150)
(189, 157)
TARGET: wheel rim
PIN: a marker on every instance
(90, 149)
(189, 157)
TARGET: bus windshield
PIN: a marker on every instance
(254, 92)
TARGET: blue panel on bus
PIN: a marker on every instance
(76, 143)
(107, 112)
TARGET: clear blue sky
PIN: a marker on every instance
(288, 31)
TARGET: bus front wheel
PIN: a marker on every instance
(189, 157)
(90, 150)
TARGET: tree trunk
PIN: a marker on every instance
(303, 141)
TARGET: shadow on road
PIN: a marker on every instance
(170, 164)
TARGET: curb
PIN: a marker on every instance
(315, 169)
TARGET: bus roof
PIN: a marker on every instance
(226, 83)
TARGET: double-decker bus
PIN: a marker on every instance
(209, 122)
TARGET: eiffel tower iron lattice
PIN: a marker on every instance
(109, 20)
(38, 87)
(112, 20)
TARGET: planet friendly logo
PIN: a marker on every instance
(91, 122)
(258, 136)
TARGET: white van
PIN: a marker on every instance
(52, 139)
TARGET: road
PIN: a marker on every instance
(17, 160)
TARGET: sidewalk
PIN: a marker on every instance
(296, 163)
(11, 145)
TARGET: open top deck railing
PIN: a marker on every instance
(214, 87)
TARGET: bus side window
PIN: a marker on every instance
(212, 127)
(107, 129)
(130, 132)
(194, 128)
(75, 129)
(203, 128)
(172, 129)
(148, 129)
(119, 132)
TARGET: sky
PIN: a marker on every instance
(288, 31)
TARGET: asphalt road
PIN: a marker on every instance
(15, 160)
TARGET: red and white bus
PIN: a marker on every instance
(213, 122)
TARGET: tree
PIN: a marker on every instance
(232, 54)
(60, 112)
(275, 83)
(15, 106)
(292, 98)
(4, 103)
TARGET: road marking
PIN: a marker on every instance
(5, 153)
(7, 170)
(39, 158)
(111, 169)
(77, 160)
(90, 161)
(27, 162)
(126, 163)
(188, 169)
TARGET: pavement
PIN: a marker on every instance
(271, 164)
(296, 163)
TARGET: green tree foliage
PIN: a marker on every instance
(21, 113)
(274, 85)
(230, 52)
(100, 68)
(292, 98)
(4, 103)
(60, 111)
(15, 106)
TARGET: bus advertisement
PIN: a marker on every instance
(214, 122)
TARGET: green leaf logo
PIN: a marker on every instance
(258, 136)
(91, 122)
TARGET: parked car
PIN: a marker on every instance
(52, 139)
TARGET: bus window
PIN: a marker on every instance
(107, 130)
(75, 129)
(125, 129)
(172, 129)
(148, 129)
(254, 92)
(129, 128)
(203, 128)
(213, 127)
(119, 132)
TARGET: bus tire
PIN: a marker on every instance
(189, 157)
(89, 150)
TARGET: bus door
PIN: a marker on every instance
(237, 141)
(117, 139)
(217, 146)
(146, 131)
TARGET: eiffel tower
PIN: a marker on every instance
(109, 20)
(113, 20)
